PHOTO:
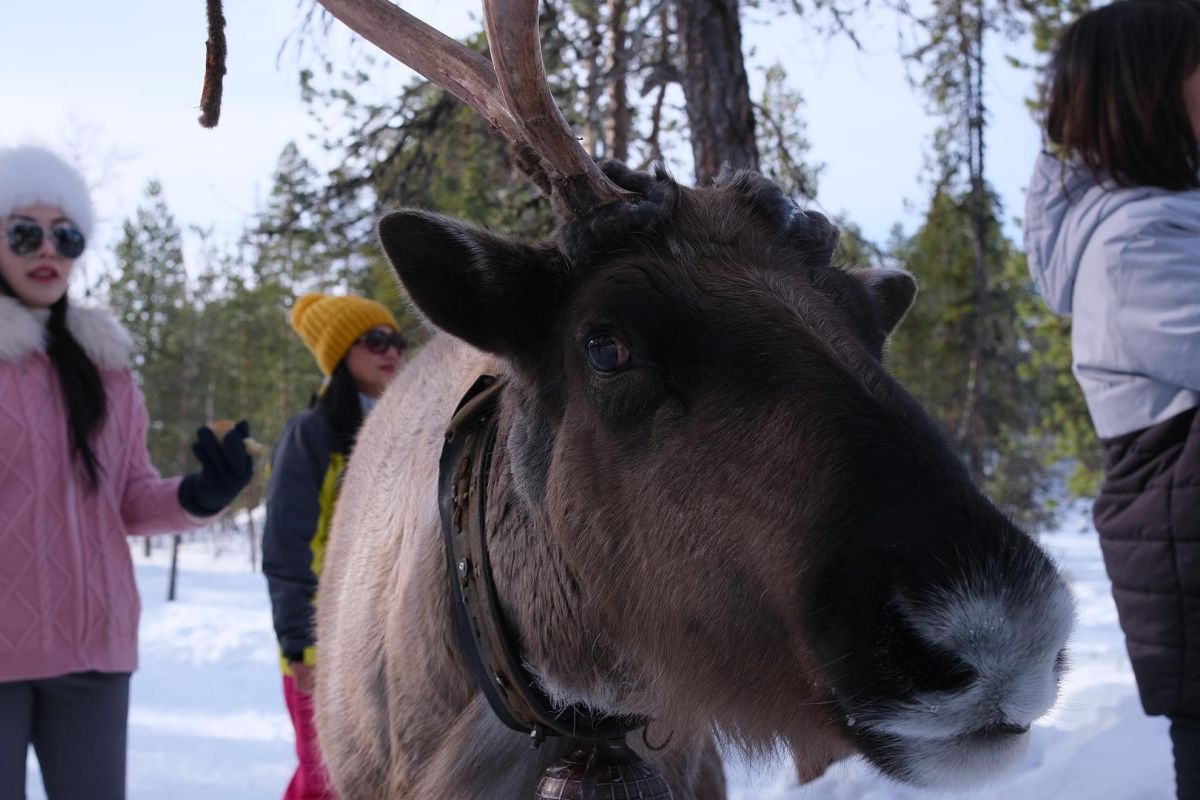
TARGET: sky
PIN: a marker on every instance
(116, 86)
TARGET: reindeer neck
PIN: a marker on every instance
(539, 594)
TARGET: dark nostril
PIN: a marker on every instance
(940, 670)
(1004, 729)
(927, 667)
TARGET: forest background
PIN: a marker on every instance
(641, 81)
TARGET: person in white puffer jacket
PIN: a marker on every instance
(1113, 238)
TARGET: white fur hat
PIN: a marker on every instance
(31, 174)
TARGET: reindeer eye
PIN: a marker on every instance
(605, 353)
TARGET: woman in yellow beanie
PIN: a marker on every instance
(359, 350)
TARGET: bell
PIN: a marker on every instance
(603, 770)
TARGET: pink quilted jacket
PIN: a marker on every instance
(68, 602)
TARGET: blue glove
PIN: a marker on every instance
(225, 469)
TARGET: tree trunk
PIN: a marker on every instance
(619, 116)
(185, 413)
(715, 87)
(250, 528)
(656, 111)
(594, 131)
(175, 540)
(972, 431)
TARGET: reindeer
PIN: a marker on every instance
(709, 506)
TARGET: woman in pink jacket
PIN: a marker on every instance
(75, 480)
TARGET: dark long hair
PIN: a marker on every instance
(341, 407)
(1116, 94)
(82, 389)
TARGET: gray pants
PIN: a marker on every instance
(1185, 738)
(76, 724)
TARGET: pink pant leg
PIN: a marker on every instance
(310, 781)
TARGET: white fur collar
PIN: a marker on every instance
(23, 331)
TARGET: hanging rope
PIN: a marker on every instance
(214, 66)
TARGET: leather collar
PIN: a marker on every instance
(483, 636)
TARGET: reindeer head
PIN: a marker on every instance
(758, 529)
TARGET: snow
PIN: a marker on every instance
(207, 717)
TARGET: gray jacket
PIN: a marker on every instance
(1125, 264)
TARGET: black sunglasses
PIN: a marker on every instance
(26, 237)
(378, 342)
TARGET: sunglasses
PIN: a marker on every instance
(26, 237)
(378, 342)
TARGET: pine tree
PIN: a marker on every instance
(149, 292)
(716, 91)
(1063, 417)
(298, 242)
(783, 139)
(933, 352)
(423, 149)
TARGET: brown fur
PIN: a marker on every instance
(748, 530)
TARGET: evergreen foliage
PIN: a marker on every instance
(1064, 419)
(783, 139)
(979, 348)
(928, 354)
(149, 291)
(218, 344)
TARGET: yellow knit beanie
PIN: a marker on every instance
(329, 325)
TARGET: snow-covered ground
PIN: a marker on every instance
(208, 721)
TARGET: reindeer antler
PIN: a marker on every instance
(516, 48)
(519, 105)
(450, 64)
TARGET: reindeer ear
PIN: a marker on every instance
(893, 291)
(486, 289)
